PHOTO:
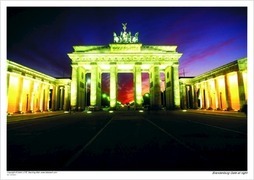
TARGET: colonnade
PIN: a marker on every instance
(79, 87)
(224, 88)
(30, 91)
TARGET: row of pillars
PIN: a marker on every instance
(30, 95)
(210, 95)
(77, 89)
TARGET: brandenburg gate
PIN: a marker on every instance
(125, 54)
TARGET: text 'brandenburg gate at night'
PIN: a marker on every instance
(125, 54)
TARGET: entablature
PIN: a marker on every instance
(223, 70)
(123, 67)
(125, 58)
(21, 70)
(126, 48)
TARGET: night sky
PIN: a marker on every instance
(208, 37)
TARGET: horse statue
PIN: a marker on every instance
(116, 38)
(135, 38)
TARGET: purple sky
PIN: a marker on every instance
(208, 37)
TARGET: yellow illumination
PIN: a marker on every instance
(221, 81)
(234, 91)
(125, 66)
(26, 84)
(13, 94)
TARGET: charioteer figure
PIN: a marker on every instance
(125, 37)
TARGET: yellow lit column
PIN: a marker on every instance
(40, 93)
(61, 94)
(138, 85)
(155, 88)
(94, 84)
(188, 95)
(195, 96)
(217, 93)
(55, 97)
(31, 103)
(207, 95)
(74, 86)
(183, 94)
(191, 97)
(227, 92)
(66, 97)
(202, 99)
(176, 86)
(7, 100)
(78, 87)
(8, 83)
(241, 88)
(169, 88)
(98, 92)
(113, 85)
(46, 100)
(20, 99)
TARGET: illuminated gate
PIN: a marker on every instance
(125, 54)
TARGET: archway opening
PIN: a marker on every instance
(125, 89)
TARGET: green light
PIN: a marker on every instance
(104, 96)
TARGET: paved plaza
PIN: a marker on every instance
(192, 140)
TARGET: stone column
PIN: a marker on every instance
(94, 84)
(20, 99)
(113, 85)
(202, 99)
(176, 86)
(98, 94)
(169, 88)
(195, 96)
(74, 86)
(227, 93)
(241, 88)
(8, 83)
(51, 97)
(208, 95)
(7, 92)
(217, 94)
(31, 108)
(62, 91)
(184, 99)
(66, 98)
(41, 89)
(155, 89)
(47, 98)
(188, 95)
(191, 97)
(138, 85)
(56, 97)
